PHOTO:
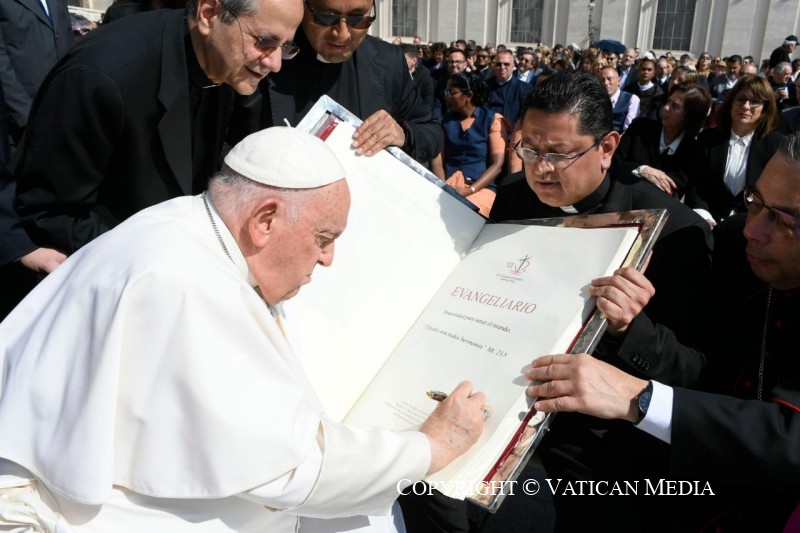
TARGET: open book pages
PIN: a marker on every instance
(423, 294)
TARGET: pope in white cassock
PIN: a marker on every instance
(147, 385)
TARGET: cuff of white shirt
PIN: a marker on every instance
(658, 421)
(705, 215)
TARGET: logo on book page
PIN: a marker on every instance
(520, 266)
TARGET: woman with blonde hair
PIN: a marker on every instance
(703, 65)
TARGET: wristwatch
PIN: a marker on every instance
(643, 402)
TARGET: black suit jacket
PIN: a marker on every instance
(749, 450)
(425, 86)
(375, 78)
(640, 146)
(111, 131)
(650, 101)
(789, 121)
(30, 44)
(711, 193)
(508, 100)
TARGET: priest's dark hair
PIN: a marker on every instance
(581, 94)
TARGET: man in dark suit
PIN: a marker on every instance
(627, 69)
(116, 128)
(364, 74)
(741, 432)
(506, 91)
(32, 40)
(567, 148)
(421, 75)
(647, 90)
(782, 53)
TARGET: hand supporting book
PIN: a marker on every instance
(455, 425)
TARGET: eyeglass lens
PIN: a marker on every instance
(327, 18)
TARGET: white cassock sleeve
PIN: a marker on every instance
(356, 471)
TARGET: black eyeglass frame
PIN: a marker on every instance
(329, 18)
(752, 199)
(754, 102)
(563, 160)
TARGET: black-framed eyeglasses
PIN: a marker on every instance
(498, 64)
(267, 46)
(741, 100)
(329, 18)
(754, 203)
(558, 161)
(455, 61)
(707, 58)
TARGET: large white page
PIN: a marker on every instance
(404, 235)
(521, 293)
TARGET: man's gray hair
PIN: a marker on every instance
(231, 9)
(234, 193)
(782, 65)
(790, 147)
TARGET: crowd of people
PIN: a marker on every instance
(157, 212)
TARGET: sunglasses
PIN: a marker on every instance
(328, 18)
(707, 58)
(267, 46)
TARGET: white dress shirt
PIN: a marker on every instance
(658, 420)
(633, 108)
(736, 165)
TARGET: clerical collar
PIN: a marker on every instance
(322, 59)
(197, 78)
(591, 202)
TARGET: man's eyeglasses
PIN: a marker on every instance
(329, 18)
(482, 56)
(502, 64)
(754, 204)
(558, 161)
(455, 61)
(267, 46)
(741, 100)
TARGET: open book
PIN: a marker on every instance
(423, 294)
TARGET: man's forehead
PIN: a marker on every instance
(551, 129)
(341, 6)
(779, 184)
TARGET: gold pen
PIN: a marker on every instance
(436, 395)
